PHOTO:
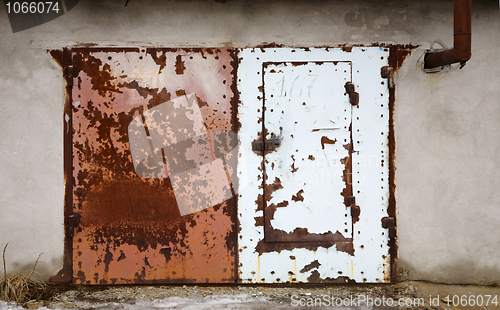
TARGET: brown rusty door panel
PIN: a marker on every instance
(153, 165)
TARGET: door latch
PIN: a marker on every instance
(267, 145)
(353, 96)
(387, 72)
(351, 201)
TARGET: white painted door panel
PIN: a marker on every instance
(297, 95)
(307, 108)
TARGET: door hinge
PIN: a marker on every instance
(390, 223)
(69, 73)
(267, 145)
(387, 72)
(355, 211)
(73, 221)
(351, 201)
(353, 96)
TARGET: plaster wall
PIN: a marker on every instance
(447, 125)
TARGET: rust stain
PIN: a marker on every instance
(347, 49)
(260, 202)
(259, 221)
(156, 97)
(347, 178)
(201, 103)
(316, 278)
(58, 56)
(300, 234)
(188, 242)
(312, 265)
(326, 140)
(63, 58)
(346, 247)
(129, 206)
(398, 53)
(179, 65)
(311, 157)
(236, 124)
(284, 63)
(271, 188)
(277, 240)
(100, 74)
(298, 196)
(293, 165)
(121, 257)
(180, 92)
(159, 60)
(80, 276)
(265, 45)
(108, 257)
(131, 229)
(273, 207)
(167, 253)
(267, 247)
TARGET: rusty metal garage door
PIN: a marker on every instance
(161, 188)
(314, 150)
(153, 146)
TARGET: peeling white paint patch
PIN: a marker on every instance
(66, 119)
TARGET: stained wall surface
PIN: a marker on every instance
(446, 125)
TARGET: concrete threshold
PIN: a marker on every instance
(403, 295)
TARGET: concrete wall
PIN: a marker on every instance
(447, 125)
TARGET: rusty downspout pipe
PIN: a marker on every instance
(461, 51)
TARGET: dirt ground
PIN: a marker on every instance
(404, 295)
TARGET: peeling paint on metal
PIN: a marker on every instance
(274, 105)
(398, 53)
(133, 227)
(150, 241)
(312, 265)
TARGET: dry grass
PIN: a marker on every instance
(20, 288)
